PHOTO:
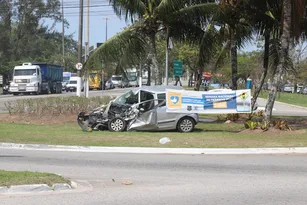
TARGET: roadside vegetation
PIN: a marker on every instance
(10, 178)
(290, 98)
(55, 105)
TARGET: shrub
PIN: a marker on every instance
(55, 105)
(251, 125)
(281, 124)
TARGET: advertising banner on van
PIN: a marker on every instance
(220, 102)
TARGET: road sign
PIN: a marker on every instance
(177, 68)
(1, 79)
(79, 66)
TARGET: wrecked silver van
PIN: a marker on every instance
(142, 108)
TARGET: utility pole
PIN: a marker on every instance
(80, 46)
(166, 56)
(63, 36)
(140, 76)
(106, 27)
(87, 47)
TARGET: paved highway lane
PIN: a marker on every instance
(166, 179)
(282, 109)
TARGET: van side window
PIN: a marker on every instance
(161, 98)
(148, 100)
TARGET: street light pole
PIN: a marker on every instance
(80, 35)
(63, 36)
(78, 93)
(87, 49)
(106, 27)
(166, 56)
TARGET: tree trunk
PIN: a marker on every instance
(265, 67)
(153, 53)
(149, 76)
(190, 80)
(148, 64)
(199, 78)
(234, 60)
(285, 41)
(295, 85)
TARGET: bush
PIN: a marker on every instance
(265, 125)
(55, 105)
(251, 125)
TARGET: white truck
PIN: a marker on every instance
(37, 78)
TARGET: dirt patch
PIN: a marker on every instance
(30, 119)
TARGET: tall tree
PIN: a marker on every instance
(28, 28)
(151, 17)
(266, 21)
(24, 37)
(292, 14)
(5, 32)
(236, 30)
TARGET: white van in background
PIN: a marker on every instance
(72, 84)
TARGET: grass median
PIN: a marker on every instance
(290, 98)
(10, 178)
(207, 135)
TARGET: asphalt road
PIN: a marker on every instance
(280, 109)
(165, 179)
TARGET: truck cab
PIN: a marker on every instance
(37, 78)
(26, 79)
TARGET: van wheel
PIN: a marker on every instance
(186, 124)
(117, 125)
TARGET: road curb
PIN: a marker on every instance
(149, 150)
(34, 188)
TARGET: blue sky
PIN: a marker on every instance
(99, 9)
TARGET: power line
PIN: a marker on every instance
(85, 6)
(107, 11)
(77, 6)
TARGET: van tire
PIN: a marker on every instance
(186, 124)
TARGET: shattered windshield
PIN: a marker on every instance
(127, 98)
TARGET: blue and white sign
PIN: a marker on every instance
(220, 102)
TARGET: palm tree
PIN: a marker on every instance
(266, 25)
(184, 19)
(278, 27)
(293, 12)
(233, 33)
(235, 30)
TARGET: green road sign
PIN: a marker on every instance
(177, 68)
